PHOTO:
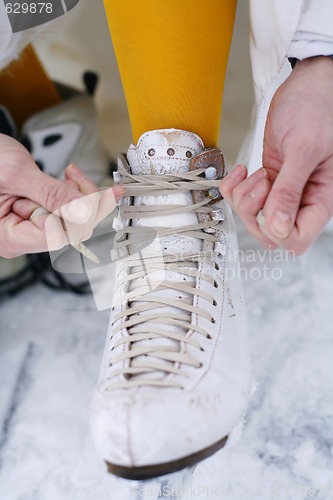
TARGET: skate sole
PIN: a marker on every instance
(155, 470)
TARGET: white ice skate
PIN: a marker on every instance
(175, 376)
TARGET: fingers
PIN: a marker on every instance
(52, 193)
(72, 223)
(247, 196)
(284, 200)
(20, 237)
(310, 222)
(24, 208)
(72, 184)
(108, 201)
(232, 180)
(77, 199)
(252, 202)
(6, 202)
(248, 189)
(75, 179)
(316, 210)
(102, 204)
(87, 186)
(73, 206)
(81, 216)
(84, 184)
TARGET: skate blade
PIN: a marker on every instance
(156, 470)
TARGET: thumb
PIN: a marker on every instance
(52, 193)
(284, 199)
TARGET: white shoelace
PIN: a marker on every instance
(141, 359)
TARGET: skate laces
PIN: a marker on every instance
(158, 339)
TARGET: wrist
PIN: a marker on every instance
(319, 68)
(310, 60)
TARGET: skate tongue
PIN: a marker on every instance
(163, 152)
(158, 167)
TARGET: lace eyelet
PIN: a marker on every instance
(151, 152)
(171, 151)
(216, 285)
(188, 154)
(217, 267)
(214, 303)
(209, 337)
(213, 320)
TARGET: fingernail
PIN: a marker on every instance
(281, 224)
(76, 172)
(238, 171)
(261, 219)
(257, 176)
(118, 192)
(260, 173)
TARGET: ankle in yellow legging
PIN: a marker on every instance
(172, 57)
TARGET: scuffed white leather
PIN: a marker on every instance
(150, 425)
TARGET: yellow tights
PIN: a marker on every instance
(172, 56)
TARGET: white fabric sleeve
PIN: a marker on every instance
(314, 35)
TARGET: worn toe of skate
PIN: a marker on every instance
(160, 469)
(176, 374)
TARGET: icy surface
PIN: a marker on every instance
(50, 349)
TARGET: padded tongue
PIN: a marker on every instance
(164, 152)
(158, 153)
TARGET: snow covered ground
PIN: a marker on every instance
(51, 343)
(50, 349)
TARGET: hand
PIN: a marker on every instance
(294, 190)
(23, 188)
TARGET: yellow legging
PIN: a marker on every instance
(172, 56)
